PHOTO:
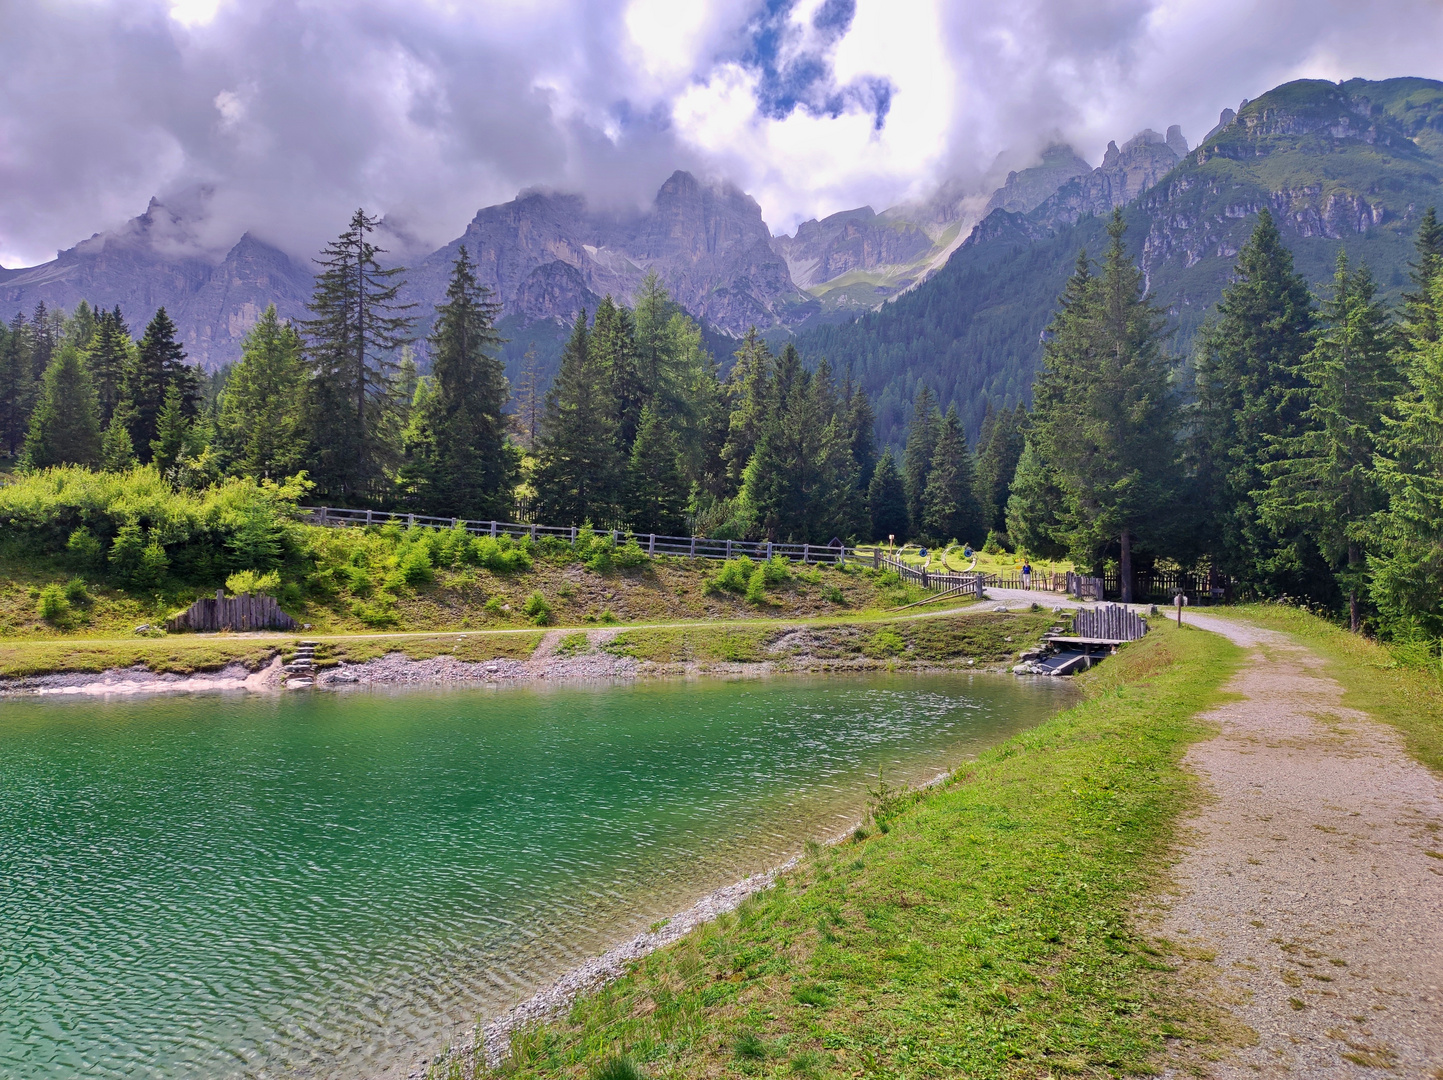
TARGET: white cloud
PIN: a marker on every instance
(425, 110)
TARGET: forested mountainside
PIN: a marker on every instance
(1349, 165)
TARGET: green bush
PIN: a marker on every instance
(53, 607)
(500, 555)
(995, 544)
(734, 576)
(630, 554)
(248, 581)
(84, 550)
(496, 605)
(757, 586)
(413, 562)
(600, 560)
(777, 571)
(537, 609)
(76, 592)
(833, 595)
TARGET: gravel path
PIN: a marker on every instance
(1315, 876)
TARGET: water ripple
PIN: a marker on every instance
(255, 887)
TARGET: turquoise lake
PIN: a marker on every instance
(336, 884)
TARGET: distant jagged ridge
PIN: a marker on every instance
(1350, 164)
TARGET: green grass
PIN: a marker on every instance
(175, 655)
(979, 929)
(984, 637)
(1376, 680)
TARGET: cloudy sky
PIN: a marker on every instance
(280, 116)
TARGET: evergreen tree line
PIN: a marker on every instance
(1300, 453)
(637, 431)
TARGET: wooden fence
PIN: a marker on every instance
(249, 611)
(1154, 586)
(695, 547)
(1111, 622)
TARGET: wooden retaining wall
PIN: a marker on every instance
(1111, 622)
(249, 611)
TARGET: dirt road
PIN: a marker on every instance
(1315, 876)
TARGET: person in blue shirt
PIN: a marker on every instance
(1026, 574)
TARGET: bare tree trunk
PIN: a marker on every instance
(1355, 620)
(1125, 567)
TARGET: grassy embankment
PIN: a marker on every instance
(1400, 685)
(900, 642)
(978, 929)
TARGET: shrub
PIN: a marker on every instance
(757, 586)
(153, 564)
(53, 607)
(414, 564)
(885, 643)
(84, 549)
(630, 555)
(600, 560)
(833, 595)
(776, 571)
(734, 576)
(500, 555)
(248, 581)
(379, 615)
(496, 605)
(537, 609)
(76, 592)
(995, 544)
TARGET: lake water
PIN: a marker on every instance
(326, 884)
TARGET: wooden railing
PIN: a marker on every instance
(1110, 622)
(694, 547)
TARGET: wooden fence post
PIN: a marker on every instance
(651, 545)
(493, 529)
(729, 549)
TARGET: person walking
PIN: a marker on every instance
(1026, 574)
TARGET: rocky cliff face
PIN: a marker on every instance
(851, 240)
(547, 255)
(1024, 191)
(154, 261)
(1123, 175)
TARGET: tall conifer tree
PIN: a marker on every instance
(1248, 375)
(65, 428)
(109, 356)
(261, 419)
(656, 490)
(950, 507)
(578, 470)
(1106, 417)
(887, 500)
(159, 364)
(353, 338)
(922, 436)
(1322, 479)
(464, 467)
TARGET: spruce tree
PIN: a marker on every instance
(17, 385)
(1248, 375)
(464, 466)
(1407, 570)
(949, 503)
(613, 340)
(159, 364)
(352, 340)
(172, 431)
(998, 449)
(65, 427)
(749, 392)
(1322, 479)
(529, 401)
(656, 490)
(887, 500)
(109, 356)
(922, 436)
(578, 470)
(801, 473)
(117, 453)
(1105, 418)
(1422, 316)
(1034, 507)
(260, 422)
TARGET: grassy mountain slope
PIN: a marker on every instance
(1349, 165)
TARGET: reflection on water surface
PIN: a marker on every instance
(266, 886)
